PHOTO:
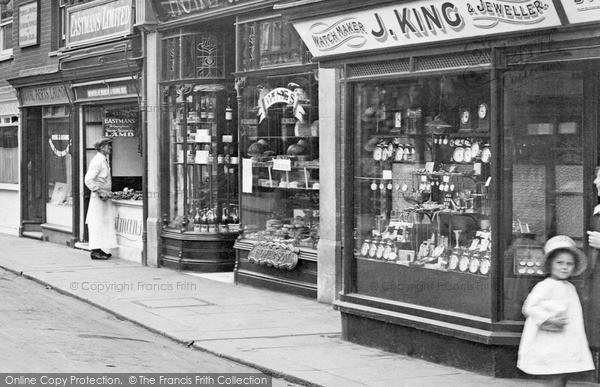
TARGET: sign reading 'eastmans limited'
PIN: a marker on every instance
(93, 22)
(423, 21)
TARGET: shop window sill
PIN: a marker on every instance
(9, 187)
(6, 56)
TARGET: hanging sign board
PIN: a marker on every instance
(423, 22)
(98, 21)
(582, 11)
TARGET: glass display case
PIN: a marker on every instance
(202, 201)
(422, 181)
(280, 151)
(279, 146)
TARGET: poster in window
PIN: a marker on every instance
(28, 24)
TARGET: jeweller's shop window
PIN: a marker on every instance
(422, 174)
(544, 160)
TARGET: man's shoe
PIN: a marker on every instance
(98, 255)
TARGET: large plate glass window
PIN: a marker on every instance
(280, 149)
(422, 178)
(544, 165)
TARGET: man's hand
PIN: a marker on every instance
(104, 194)
(594, 239)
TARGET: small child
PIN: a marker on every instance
(553, 341)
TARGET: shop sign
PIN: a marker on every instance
(280, 95)
(423, 22)
(275, 254)
(129, 225)
(173, 8)
(93, 22)
(119, 126)
(107, 91)
(44, 95)
(582, 11)
(28, 24)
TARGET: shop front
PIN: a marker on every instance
(94, 93)
(198, 133)
(47, 186)
(278, 93)
(469, 137)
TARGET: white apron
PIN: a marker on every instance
(100, 216)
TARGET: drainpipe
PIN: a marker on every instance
(144, 124)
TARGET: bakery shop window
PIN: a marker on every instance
(279, 131)
(422, 181)
(544, 162)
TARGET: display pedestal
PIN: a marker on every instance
(301, 280)
(206, 253)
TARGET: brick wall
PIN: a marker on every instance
(34, 59)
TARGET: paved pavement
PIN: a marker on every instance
(291, 337)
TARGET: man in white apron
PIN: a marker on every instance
(100, 218)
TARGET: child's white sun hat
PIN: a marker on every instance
(563, 242)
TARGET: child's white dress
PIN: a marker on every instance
(542, 352)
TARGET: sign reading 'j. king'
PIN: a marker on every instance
(423, 22)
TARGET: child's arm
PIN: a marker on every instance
(533, 307)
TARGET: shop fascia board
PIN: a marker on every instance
(209, 16)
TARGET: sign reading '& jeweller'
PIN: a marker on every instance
(423, 22)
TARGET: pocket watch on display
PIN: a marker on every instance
(364, 250)
(373, 250)
(484, 266)
(463, 263)
(453, 262)
(474, 265)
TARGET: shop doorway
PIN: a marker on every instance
(32, 195)
(98, 121)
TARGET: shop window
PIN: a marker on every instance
(421, 183)
(201, 196)
(6, 23)
(9, 150)
(280, 148)
(269, 43)
(59, 173)
(544, 167)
